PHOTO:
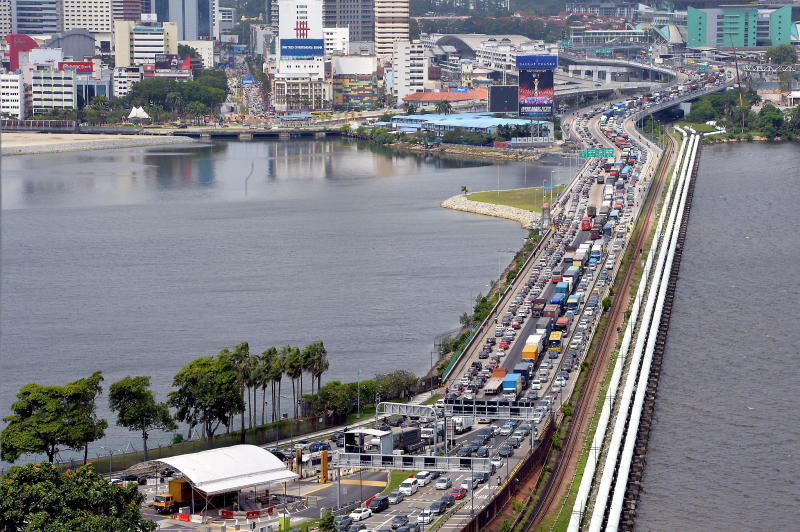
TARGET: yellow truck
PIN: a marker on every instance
(180, 494)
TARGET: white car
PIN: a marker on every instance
(359, 514)
(425, 517)
(423, 477)
(496, 461)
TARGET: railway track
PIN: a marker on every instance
(566, 461)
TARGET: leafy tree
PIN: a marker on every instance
(409, 108)
(37, 425)
(207, 393)
(136, 407)
(240, 360)
(326, 524)
(196, 109)
(48, 417)
(783, 54)
(770, 121)
(185, 49)
(84, 426)
(40, 497)
(213, 78)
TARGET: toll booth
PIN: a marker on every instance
(361, 440)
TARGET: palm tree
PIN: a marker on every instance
(294, 370)
(276, 371)
(309, 356)
(409, 108)
(319, 363)
(464, 190)
(264, 374)
(240, 358)
(444, 107)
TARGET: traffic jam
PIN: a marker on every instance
(533, 350)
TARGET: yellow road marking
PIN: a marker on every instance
(376, 483)
(318, 489)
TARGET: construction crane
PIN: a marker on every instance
(738, 82)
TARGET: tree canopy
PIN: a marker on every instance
(783, 54)
(46, 418)
(207, 394)
(136, 407)
(40, 497)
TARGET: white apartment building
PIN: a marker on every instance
(501, 54)
(5, 18)
(205, 49)
(137, 44)
(12, 96)
(337, 41)
(391, 24)
(124, 78)
(52, 89)
(95, 16)
(409, 68)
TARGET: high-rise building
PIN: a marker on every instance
(5, 18)
(52, 89)
(391, 24)
(126, 9)
(92, 15)
(195, 19)
(409, 68)
(354, 82)
(746, 26)
(337, 41)
(138, 43)
(36, 17)
(356, 15)
(12, 96)
(299, 81)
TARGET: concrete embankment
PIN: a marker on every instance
(34, 143)
(527, 219)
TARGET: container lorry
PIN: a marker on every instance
(495, 383)
(559, 300)
(551, 311)
(544, 326)
(562, 287)
(407, 439)
(512, 386)
(534, 345)
(525, 368)
(522, 371)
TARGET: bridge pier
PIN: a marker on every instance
(245, 136)
(320, 134)
(205, 136)
(284, 135)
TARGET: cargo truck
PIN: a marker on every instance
(559, 300)
(407, 439)
(180, 494)
(494, 385)
(544, 326)
(537, 310)
(525, 368)
(512, 386)
(462, 424)
(562, 288)
(591, 210)
(533, 346)
(551, 311)
(522, 371)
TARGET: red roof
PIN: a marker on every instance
(477, 94)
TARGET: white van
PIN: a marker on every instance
(409, 486)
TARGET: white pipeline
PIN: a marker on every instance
(615, 443)
(613, 386)
(620, 487)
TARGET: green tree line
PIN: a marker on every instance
(726, 109)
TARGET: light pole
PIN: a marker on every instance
(358, 393)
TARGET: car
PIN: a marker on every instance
(359, 514)
(342, 522)
(409, 527)
(459, 493)
(425, 516)
(443, 483)
(515, 441)
(467, 484)
(423, 477)
(318, 446)
(505, 451)
(464, 452)
(482, 452)
(356, 528)
(398, 521)
(448, 500)
(409, 486)
(506, 430)
(396, 497)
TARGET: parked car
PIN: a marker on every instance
(379, 504)
(398, 521)
(396, 497)
(459, 493)
(443, 483)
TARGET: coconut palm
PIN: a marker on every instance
(294, 370)
(444, 107)
(276, 371)
(319, 363)
(264, 377)
(464, 190)
(309, 356)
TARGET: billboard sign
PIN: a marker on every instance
(76, 66)
(172, 62)
(536, 93)
(527, 62)
(248, 80)
(504, 99)
(459, 89)
(300, 48)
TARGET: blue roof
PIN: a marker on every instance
(295, 116)
(466, 120)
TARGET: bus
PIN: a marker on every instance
(554, 342)
(573, 303)
(586, 224)
(596, 232)
(614, 216)
(597, 251)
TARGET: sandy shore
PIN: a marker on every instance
(14, 143)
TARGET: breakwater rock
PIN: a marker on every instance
(527, 219)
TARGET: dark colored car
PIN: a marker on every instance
(398, 521)
(505, 451)
(482, 452)
(379, 504)
(448, 500)
(342, 522)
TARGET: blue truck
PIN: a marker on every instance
(512, 386)
(559, 299)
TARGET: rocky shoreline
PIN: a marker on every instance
(527, 219)
(85, 143)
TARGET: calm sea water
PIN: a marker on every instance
(723, 451)
(136, 261)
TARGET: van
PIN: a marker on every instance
(409, 486)
(379, 504)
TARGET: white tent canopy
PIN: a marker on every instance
(230, 468)
(138, 112)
